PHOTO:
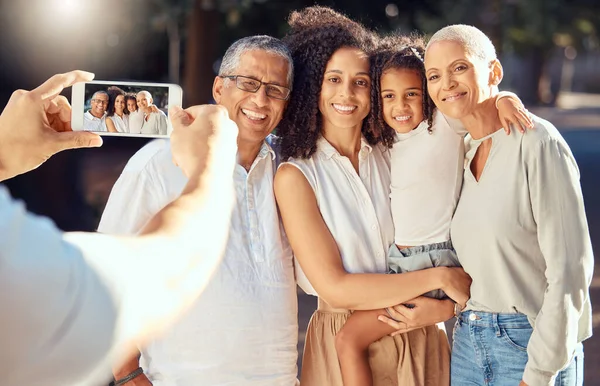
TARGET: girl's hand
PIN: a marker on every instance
(425, 312)
(512, 112)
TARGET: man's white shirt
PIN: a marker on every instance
(92, 123)
(243, 330)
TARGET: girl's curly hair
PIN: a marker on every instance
(395, 52)
(316, 33)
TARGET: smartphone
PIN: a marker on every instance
(128, 109)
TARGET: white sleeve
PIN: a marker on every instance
(59, 316)
(134, 199)
(162, 124)
(563, 235)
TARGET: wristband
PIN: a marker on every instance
(129, 377)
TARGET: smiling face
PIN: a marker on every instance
(143, 100)
(402, 96)
(345, 98)
(120, 104)
(131, 105)
(255, 114)
(99, 104)
(457, 81)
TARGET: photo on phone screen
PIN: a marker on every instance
(124, 108)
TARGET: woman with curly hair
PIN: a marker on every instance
(117, 118)
(426, 176)
(333, 195)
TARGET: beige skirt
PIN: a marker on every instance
(417, 358)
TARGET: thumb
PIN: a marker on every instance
(75, 140)
(179, 117)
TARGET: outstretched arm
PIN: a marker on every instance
(74, 307)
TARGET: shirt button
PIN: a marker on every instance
(473, 317)
(374, 227)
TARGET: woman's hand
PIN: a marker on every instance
(457, 285)
(426, 312)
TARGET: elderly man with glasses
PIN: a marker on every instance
(95, 118)
(243, 330)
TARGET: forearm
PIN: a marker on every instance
(374, 291)
(127, 367)
(445, 312)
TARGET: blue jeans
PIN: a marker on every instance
(491, 349)
(423, 257)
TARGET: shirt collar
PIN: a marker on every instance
(265, 150)
(329, 151)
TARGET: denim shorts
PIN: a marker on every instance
(491, 349)
(423, 257)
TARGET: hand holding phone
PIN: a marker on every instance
(124, 108)
(35, 125)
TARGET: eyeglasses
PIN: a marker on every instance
(100, 101)
(253, 85)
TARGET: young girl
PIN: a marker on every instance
(426, 176)
(136, 116)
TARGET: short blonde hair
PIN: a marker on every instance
(475, 42)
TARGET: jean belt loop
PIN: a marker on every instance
(496, 324)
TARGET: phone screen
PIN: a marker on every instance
(125, 109)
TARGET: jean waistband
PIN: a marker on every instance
(489, 319)
(425, 248)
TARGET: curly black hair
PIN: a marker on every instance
(316, 33)
(113, 92)
(395, 52)
(130, 97)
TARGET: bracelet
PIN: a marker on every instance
(457, 309)
(129, 377)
